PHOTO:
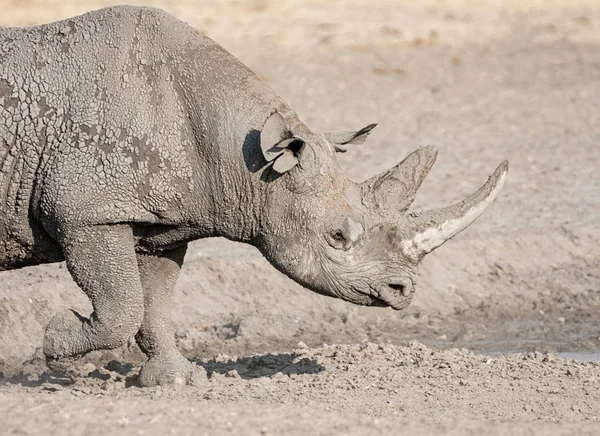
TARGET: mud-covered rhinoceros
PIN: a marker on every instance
(125, 134)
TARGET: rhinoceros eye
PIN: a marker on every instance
(337, 240)
(346, 235)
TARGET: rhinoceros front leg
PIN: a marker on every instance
(156, 338)
(103, 262)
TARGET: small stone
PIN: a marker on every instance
(301, 348)
(233, 374)
(222, 358)
(85, 369)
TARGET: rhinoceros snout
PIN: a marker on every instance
(397, 294)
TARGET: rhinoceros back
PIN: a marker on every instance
(83, 102)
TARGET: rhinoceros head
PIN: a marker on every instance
(353, 241)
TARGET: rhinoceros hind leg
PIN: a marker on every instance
(102, 261)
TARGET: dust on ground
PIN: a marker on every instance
(484, 81)
(346, 389)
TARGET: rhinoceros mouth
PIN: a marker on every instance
(377, 302)
(394, 295)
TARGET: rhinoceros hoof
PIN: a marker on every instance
(64, 365)
(62, 335)
(173, 370)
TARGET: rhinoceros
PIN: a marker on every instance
(125, 134)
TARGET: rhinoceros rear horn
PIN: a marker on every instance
(278, 144)
(431, 229)
(395, 190)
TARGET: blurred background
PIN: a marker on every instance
(483, 81)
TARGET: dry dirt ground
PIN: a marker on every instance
(483, 81)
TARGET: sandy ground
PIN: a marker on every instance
(483, 81)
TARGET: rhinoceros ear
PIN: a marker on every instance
(339, 139)
(273, 133)
(285, 162)
(279, 144)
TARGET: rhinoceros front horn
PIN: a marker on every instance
(395, 190)
(429, 230)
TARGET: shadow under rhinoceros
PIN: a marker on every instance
(34, 372)
(266, 365)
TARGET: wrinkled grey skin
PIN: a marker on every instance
(125, 134)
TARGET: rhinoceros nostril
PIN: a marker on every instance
(396, 287)
(399, 288)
